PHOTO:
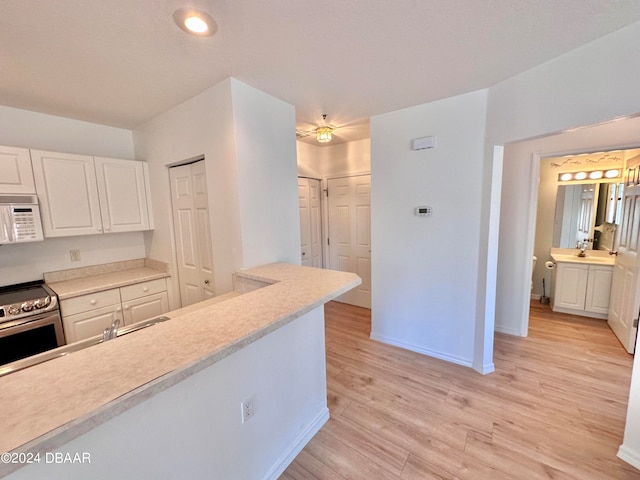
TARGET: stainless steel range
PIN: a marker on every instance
(30, 321)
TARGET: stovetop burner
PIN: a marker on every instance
(24, 299)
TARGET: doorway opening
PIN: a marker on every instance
(519, 212)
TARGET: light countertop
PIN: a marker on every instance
(592, 257)
(73, 283)
(47, 405)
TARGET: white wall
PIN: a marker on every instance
(201, 126)
(308, 159)
(424, 269)
(25, 262)
(193, 430)
(579, 88)
(630, 449)
(267, 177)
(248, 141)
(350, 158)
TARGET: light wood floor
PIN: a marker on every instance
(554, 408)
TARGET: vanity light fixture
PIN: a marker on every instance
(195, 22)
(592, 175)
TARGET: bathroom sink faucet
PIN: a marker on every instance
(582, 246)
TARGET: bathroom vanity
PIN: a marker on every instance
(582, 285)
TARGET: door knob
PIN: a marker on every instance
(206, 282)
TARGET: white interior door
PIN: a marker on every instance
(309, 197)
(625, 288)
(189, 203)
(350, 233)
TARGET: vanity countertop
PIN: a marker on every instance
(83, 281)
(45, 406)
(591, 258)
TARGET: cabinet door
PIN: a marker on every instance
(123, 198)
(145, 308)
(68, 194)
(571, 285)
(89, 324)
(598, 289)
(16, 174)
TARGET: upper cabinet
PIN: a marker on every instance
(122, 193)
(80, 195)
(16, 175)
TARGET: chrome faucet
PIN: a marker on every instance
(111, 332)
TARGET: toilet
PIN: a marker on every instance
(535, 259)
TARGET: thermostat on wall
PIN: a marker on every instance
(423, 211)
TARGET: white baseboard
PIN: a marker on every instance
(509, 331)
(425, 351)
(630, 456)
(297, 445)
(535, 296)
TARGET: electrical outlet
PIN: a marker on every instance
(248, 407)
(75, 255)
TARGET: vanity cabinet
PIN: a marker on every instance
(16, 174)
(582, 289)
(83, 195)
(88, 315)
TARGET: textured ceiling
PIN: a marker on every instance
(121, 62)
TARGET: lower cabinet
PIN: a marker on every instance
(88, 315)
(582, 289)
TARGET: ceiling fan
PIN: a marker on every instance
(322, 132)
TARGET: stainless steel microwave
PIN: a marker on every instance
(20, 219)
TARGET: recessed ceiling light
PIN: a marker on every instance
(195, 22)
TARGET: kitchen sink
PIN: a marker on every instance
(74, 347)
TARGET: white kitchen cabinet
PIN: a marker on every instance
(144, 300)
(145, 307)
(89, 324)
(88, 315)
(16, 173)
(83, 195)
(68, 194)
(122, 193)
(582, 289)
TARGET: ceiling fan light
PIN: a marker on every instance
(323, 134)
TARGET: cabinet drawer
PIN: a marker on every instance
(143, 289)
(84, 303)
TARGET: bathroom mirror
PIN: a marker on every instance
(587, 211)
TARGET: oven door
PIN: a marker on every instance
(29, 336)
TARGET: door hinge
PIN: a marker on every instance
(328, 241)
(326, 191)
(635, 323)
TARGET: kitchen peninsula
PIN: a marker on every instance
(165, 402)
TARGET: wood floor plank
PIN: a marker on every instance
(554, 408)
